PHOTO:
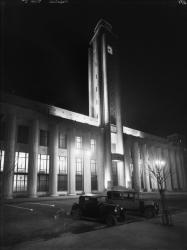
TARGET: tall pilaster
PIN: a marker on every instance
(145, 167)
(53, 160)
(128, 170)
(184, 173)
(167, 170)
(150, 165)
(136, 168)
(107, 157)
(153, 158)
(162, 164)
(173, 168)
(9, 163)
(86, 165)
(100, 164)
(33, 159)
(179, 169)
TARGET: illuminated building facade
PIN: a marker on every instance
(46, 150)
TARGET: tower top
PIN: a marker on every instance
(103, 23)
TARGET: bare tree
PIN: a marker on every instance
(160, 174)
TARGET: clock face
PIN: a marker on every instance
(109, 50)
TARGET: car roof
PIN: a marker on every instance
(122, 191)
(93, 195)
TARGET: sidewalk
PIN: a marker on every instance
(148, 234)
(39, 198)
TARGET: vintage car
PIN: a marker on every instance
(97, 207)
(131, 201)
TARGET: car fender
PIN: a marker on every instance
(74, 206)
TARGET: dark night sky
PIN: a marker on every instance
(46, 57)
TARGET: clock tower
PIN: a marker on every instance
(104, 96)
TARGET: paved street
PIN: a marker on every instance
(49, 220)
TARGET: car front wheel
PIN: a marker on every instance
(122, 218)
(149, 213)
(76, 213)
(110, 220)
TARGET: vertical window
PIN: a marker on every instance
(79, 142)
(79, 174)
(21, 172)
(115, 173)
(93, 175)
(93, 145)
(23, 134)
(62, 140)
(44, 138)
(113, 142)
(43, 173)
(2, 156)
(62, 174)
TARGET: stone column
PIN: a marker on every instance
(9, 164)
(100, 161)
(136, 169)
(71, 161)
(86, 164)
(160, 159)
(33, 159)
(152, 153)
(150, 165)
(53, 160)
(167, 170)
(107, 157)
(128, 171)
(179, 169)
(184, 173)
(173, 168)
(145, 167)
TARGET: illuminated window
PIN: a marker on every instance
(62, 173)
(113, 142)
(79, 174)
(43, 163)
(44, 138)
(62, 140)
(2, 157)
(93, 175)
(93, 145)
(23, 134)
(21, 172)
(79, 142)
(43, 172)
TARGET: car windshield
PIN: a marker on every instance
(102, 198)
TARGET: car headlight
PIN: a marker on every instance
(115, 210)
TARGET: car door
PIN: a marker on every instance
(91, 207)
(130, 201)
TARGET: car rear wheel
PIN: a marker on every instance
(76, 213)
(149, 213)
(110, 220)
(122, 218)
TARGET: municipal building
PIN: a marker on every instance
(47, 150)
